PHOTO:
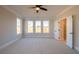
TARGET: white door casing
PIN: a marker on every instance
(69, 40)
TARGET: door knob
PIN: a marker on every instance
(71, 33)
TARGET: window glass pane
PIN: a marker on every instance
(38, 26)
(30, 26)
(18, 26)
(45, 26)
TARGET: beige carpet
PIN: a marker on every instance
(37, 46)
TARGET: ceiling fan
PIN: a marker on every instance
(39, 7)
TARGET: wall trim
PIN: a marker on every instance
(66, 9)
(8, 43)
(9, 9)
(76, 48)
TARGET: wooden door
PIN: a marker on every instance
(62, 29)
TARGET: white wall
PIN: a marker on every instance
(75, 12)
(7, 26)
(50, 34)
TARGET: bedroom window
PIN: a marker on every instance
(37, 26)
(30, 26)
(45, 26)
(18, 26)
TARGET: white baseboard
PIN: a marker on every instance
(77, 48)
(11, 42)
(7, 44)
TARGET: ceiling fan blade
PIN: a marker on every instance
(43, 8)
(38, 5)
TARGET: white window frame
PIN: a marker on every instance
(19, 24)
(32, 25)
(38, 24)
(43, 26)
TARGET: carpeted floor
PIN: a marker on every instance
(37, 46)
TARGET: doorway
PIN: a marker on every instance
(62, 29)
(66, 30)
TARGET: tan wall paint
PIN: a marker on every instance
(7, 26)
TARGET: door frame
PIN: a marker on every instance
(70, 44)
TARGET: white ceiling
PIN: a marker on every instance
(25, 11)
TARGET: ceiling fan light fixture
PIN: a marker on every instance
(37, 8)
